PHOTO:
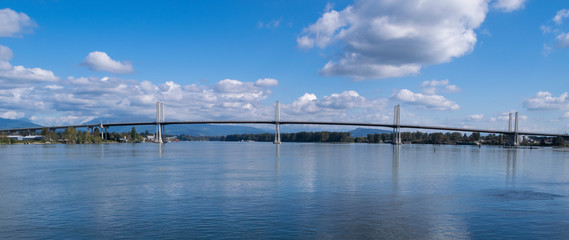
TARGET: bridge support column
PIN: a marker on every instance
(159, 120)
(102, 130)
(277, 124)
(397, 123)
(516, 140)
(513, 139)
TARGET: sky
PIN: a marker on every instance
(465, 63)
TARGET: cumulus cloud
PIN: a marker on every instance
(101, 62)
(546, 101)
(505, 116)
(384, 38)
(345, 106)
(27, 74)
(267, 82)
(563, 40)
(6, 53)
(475, 117)
(434, 86)
(435, 102)
(561, 14)
(17, 76)
(12, 115)
(13, 23)
(79, 99)
(561, 37)
(508, 5)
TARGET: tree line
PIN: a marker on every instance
(74, 136)
(406, 137)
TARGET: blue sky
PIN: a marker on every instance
(448, 63)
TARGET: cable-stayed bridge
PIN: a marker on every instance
(396, 126)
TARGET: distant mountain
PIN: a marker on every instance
(212, 130)
(190, 129)
(363, 132)
(16, 123)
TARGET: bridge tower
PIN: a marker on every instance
(513, 140)
(277, 124)
(159, 120)
(102, 130)
(516, 140)
(397, 123)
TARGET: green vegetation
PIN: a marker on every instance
(406, 137)
(73, 136)
(5, 140)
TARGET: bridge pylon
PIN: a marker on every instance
(277, 124)
(513, 139)
(397, 124)
(159, 121)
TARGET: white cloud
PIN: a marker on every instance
(561, 37)
(563, 40)
(508, 5)
(75, 100)
(434, 86)
(12, 115)
(385, 38)
(6, 53)
(53, 87)
(345, 106)
(546, 101)
(29, 74)
(13, 23)
(561, 14)
(435, 102)
(435, 83)
(565, 115)
(267, 82)
(100, 61)
(475, 117)
(452, 88)
(505, 117)
(17, 76)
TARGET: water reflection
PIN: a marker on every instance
(511, 166)
(160, 152)
(395, 168)
(215, 190)
(277, 162)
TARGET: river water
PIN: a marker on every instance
(234, 190)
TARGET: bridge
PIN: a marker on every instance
(396, 126)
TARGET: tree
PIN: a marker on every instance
(558, 141)
(70, 135)
(475, 136)
(134, 136)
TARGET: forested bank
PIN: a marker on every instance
(406, 137)
(73, 136)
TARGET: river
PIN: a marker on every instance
(236, 190)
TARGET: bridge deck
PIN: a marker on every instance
(106, 125)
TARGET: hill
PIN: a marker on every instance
(16, 123)
(363, 132)
(192, 130)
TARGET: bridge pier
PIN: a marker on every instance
(397, 124)
(277, 124)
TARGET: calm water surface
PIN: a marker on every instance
(218, 190)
